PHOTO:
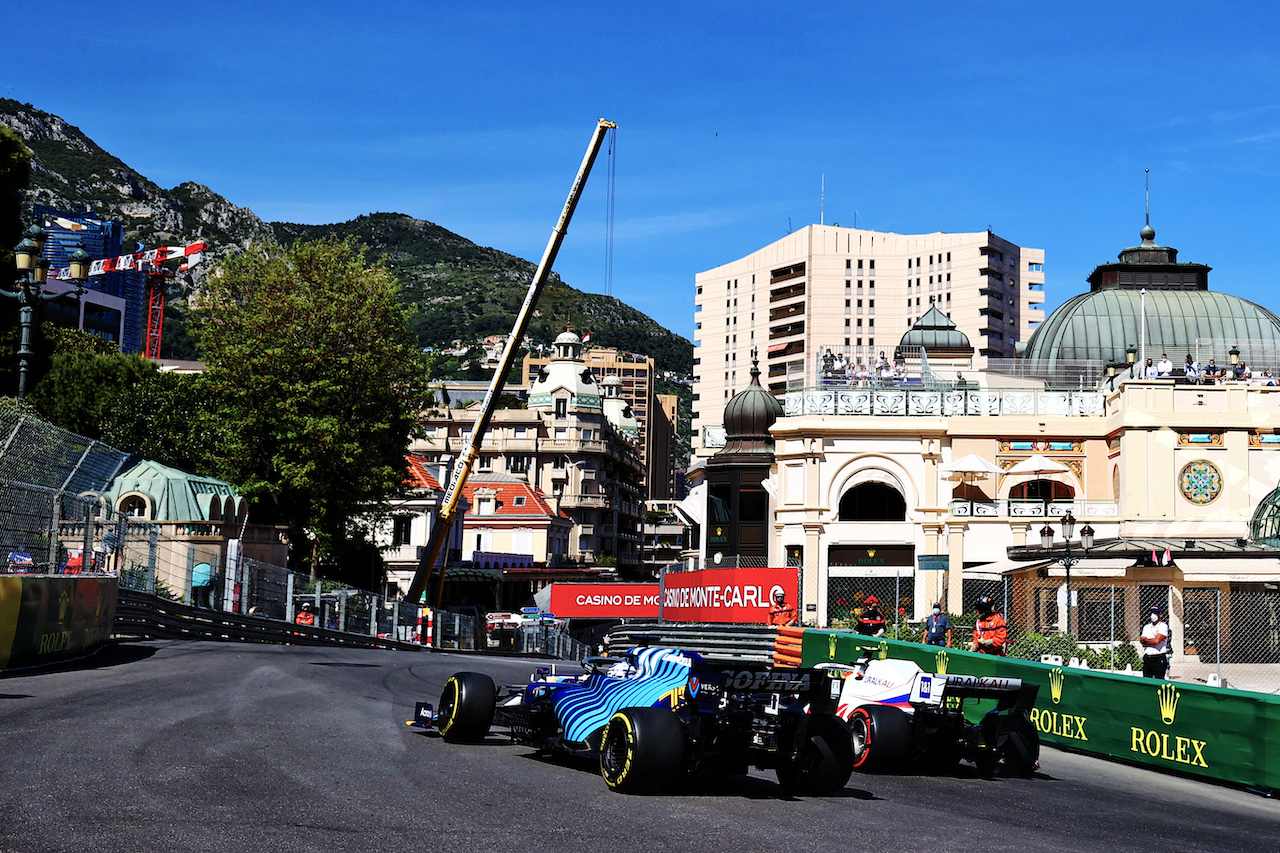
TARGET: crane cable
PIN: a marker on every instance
(609, 216)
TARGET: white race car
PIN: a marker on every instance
(897, 712)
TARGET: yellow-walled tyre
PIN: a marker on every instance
(466, 707)
(641, 748)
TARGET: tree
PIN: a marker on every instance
(81, 387)
(314, 384)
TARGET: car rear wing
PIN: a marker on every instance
(930, 688)
(819, 687)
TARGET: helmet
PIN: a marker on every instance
(779, 596)
(872, 601)
(985, 604)
(306, 605)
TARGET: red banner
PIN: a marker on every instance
(727, 595)
(604, 600)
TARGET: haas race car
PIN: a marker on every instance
(658, 713)
(897, 713)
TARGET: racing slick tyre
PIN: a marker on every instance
(640, 748)
(1017, 755)
(825, 761)
(466, 707)
(880, 735)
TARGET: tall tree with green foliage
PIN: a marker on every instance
(314, 384)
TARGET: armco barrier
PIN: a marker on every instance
(1227, 735)
(150, 617)
(51, 618)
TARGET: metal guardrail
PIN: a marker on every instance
(715, 642)
(146, 616)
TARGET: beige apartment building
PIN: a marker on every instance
(638, 389)
(856, 293)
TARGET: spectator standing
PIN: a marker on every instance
(1155, 644)
(937, 627)
(871, 620)
(991, 632)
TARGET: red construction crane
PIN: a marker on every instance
(149, 262)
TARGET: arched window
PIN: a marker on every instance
(134, 506)
(873, 502)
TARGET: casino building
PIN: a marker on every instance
(875, 488)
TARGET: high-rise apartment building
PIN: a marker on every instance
(114, 306)
(855, 292)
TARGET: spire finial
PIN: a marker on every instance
(1148, 171)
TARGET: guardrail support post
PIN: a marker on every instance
(288, 597)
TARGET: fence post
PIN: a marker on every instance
(86, 554)
(1219, 627)
(395, 617)
(191, 568)
(55, 527)
(1113, 627)
(288, 597)
(375, 609)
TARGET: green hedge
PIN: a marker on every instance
(1227, 735)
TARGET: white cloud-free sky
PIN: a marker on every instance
(1034, 119)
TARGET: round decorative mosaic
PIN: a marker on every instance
(1200, 482)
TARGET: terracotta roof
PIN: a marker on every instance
(508, 489)
(418, 475)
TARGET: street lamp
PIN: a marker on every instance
(1131, 356)
(1068, 559)
(33, 271)
(1111, 374)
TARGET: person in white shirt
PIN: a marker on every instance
(1150, 372)
(1165, 367)
(1268, 380)
(1155, 644)
(1192, 371)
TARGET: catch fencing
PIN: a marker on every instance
(1222, 633)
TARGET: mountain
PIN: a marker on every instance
(460, 290)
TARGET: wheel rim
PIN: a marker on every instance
(859, 736)
(448, 701)
(613, 755)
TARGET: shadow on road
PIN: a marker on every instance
(114, 653)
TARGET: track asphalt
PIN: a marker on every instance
(186, 746)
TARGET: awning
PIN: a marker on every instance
(1087, 567)
(777, 347)
(1239, 569)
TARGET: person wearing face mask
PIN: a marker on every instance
(937, 628)
(1155, 644)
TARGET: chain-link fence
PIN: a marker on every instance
(1220, 633)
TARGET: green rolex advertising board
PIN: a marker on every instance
(1228, 735)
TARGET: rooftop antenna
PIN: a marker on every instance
(1148, 171)
(822, 207)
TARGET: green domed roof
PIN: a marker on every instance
(1101, 324)
(936, 331)
(1180, 309)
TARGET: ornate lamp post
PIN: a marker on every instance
(1131, 356)
(1068, 559)
(28, 290)
(1111, 374)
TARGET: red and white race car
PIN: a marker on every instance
(897, 713)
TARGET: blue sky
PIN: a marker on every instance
(1033, 119)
